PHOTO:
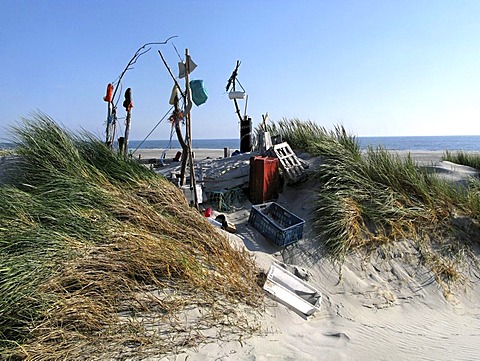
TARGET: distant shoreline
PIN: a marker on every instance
(425, 157)
(465, 143)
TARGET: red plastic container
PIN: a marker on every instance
(263, 185)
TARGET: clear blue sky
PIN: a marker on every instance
(379, 68)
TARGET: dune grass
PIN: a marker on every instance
(372, 198)
(463, 158)
(100, 256)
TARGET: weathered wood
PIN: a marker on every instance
(109, 120)
(290, 164)
(127, 132)
(128, 104)
(189, 128)
(171, 74)
(178, 130)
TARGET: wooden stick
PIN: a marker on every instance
(108, 130)
(193, 184)
(171, 74)
(127, 132)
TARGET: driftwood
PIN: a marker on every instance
(187, 143)
(112, 109)
(231, 82)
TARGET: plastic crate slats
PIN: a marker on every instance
(276, 223)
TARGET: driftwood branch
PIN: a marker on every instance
(142, 50)
(231, 82)
(173, 76)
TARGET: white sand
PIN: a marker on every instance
(379, 310)
(199, 153)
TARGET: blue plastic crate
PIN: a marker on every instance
(276, 223)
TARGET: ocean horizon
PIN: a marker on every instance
(413, 143)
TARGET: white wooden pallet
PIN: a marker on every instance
(290, 164)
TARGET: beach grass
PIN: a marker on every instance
(373, 198)
(100, 256)
(463, 158)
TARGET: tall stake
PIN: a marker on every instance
(109, 99)
(127, 132)
(128, 104)
(188, 91)
(109, 124)
(177, 123)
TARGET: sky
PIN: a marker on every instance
(377, 68)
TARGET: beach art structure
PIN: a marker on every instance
(245, 121)
(112, 101)
(194, 92)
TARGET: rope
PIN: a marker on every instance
(177, 52)
(169, 146)
(155, 127)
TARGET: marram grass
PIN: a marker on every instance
(373, 198)
(470, 159)
(100, 257)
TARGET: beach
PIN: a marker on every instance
(199, 153)
(384, 305)
(424, 157)
(374, 307)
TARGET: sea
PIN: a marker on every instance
(417, 143)
(412, 143)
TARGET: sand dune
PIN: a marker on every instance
(382, 308)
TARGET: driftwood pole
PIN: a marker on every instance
(193, 183)
(127, 132)
(128, 104)
(232, 81)
(109, 124)
(245, 122)
(108, 98)
(112, 109)
(177, 123)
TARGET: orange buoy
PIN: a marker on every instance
(108, 96)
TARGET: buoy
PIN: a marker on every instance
(108, 96)
(236, 95)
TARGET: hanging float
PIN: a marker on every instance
(236, 95)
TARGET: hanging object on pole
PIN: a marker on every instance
(173, 95)
(245, 121)
(182, 66)
(236, 95)
(199, 93)
(127, 103)
(109, 131)
(108, 96)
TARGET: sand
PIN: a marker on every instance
(381, 309)
(423, 157)
(199, 153)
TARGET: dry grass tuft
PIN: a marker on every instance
(101, 258)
